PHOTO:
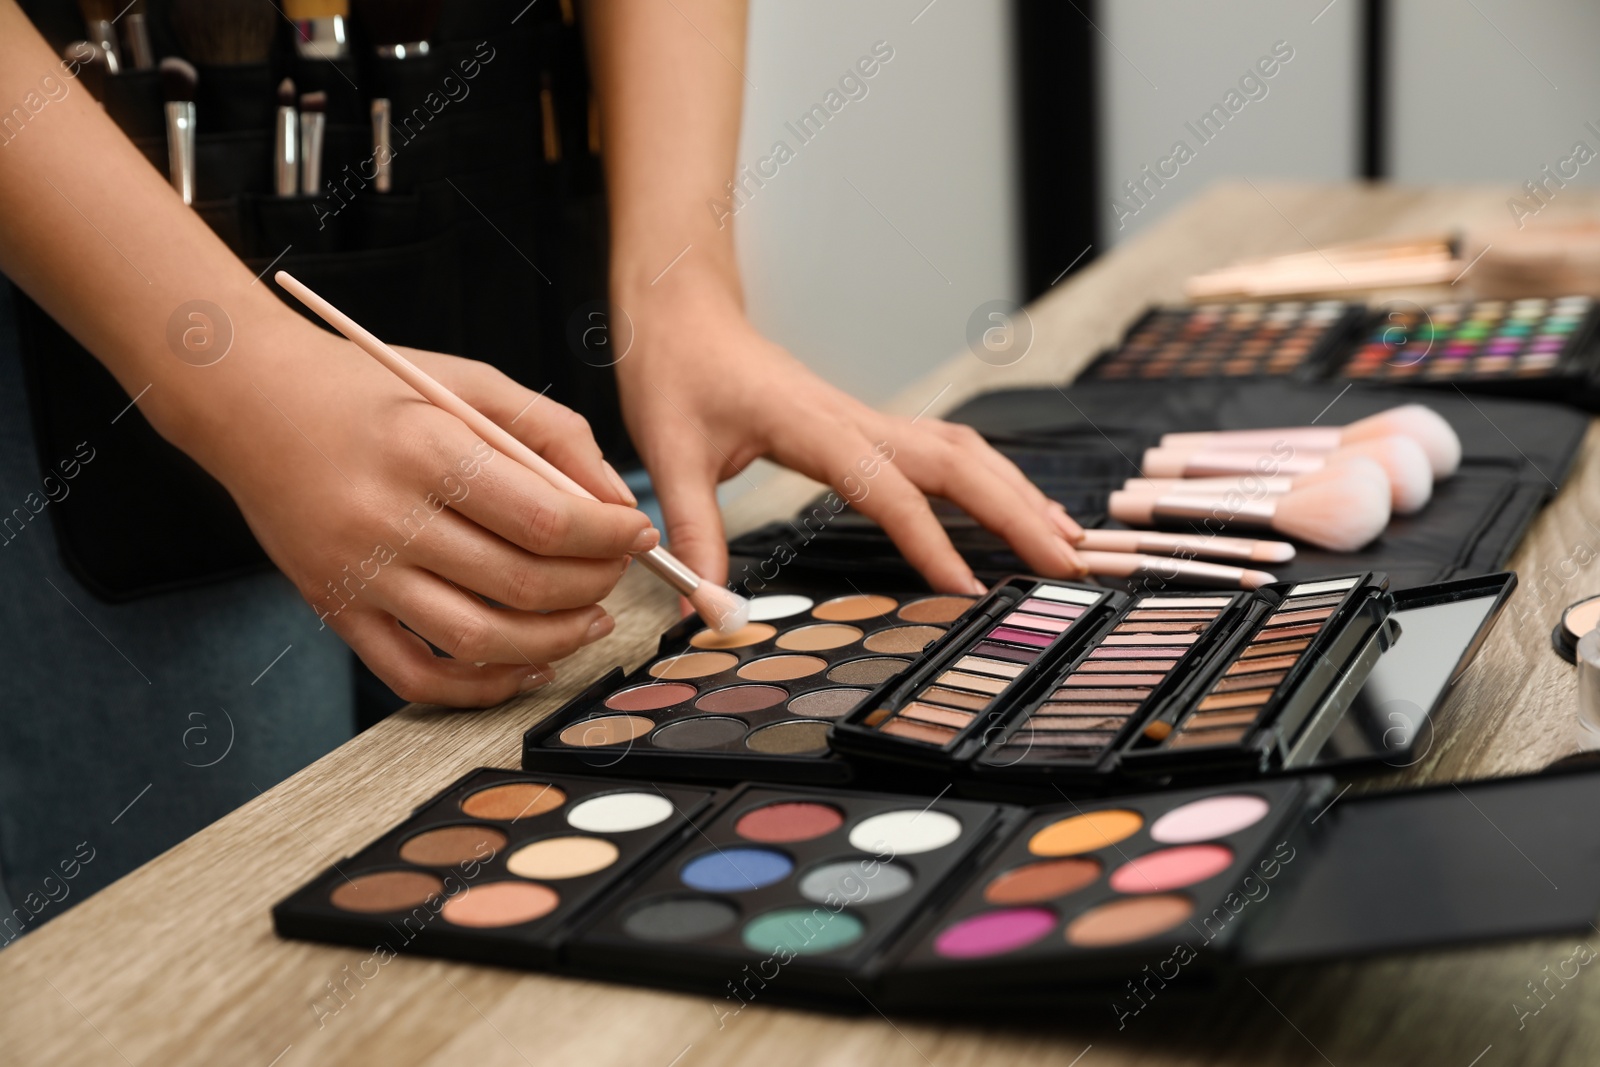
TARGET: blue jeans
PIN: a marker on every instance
(125, 728)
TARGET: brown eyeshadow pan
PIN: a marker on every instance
(1140, 627)
(867, 671)
(1201, 738)
(1248, 698)
(1276, 648)
(1136, 653)
(1287, 633)
(782, 668)
(1270, 663)
(380, 891)
(1112, 666)
(956, 720)
(1248, 681)
(1136, 694)
(954, 698)
(916, 731)
(855, 607)
(936, 609)
(1202, 720)
(1288, 618)
(903, 640)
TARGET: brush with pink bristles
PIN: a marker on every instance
(1404, 463)
(1421, 424)
(1251, 484)
(1341, 515)
(725, 610)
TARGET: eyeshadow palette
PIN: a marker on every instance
(813, 886)
(1488, 341)
(771, 894)
(757, 703)
(1229, 340)
(1076, 721)
(494, 868)
(961, 689)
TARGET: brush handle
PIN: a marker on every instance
(662, 563)
(1166, 544)
(1135, 565)
(1221, 461)
(1313, 438)
(180, 147)
(1275, 484)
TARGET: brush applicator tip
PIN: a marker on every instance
(723, 610)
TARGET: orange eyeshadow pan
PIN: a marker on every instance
(1276, 648)
(940, 716)
(1246, 699)
(916, 731)
(1273, 663)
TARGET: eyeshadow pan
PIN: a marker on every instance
(794, 737)
(1045, 607)
(692, 665)
(1307, 588)
(1249, 681)
(1079, 681)
(905, 832)
(956, 720)
(827, 703)
(735, 870)
(781, 668)
(794, 931)
(1288, 633)
(954, 698)
(994, 933)
(556, 858)
(820, 637)
(492, 904)
(844, 880)
(993, 651)
(1171, 868)
(445, 846)
(778, 606)
(617, 813)
(1136, 653)
(1037, 622)
(1204, 720)
(867, 671)
(741, 699)
(903, 639)
(976, 683)
(1212, 817)
(1122, 922)
(1256, 666)
(1247, 698)
(1203, 738)
(1171, 615)
(998, 668)
(513, 800)
(1185, 602)
(1277, 648)
(1021, 637)
(652, 697)
(1085, 709)
(1290, 618)
(1101, 694)
(752, 634)
(1076, 722)
(679, 919)
(606, 730)
(1111, 666)
(699, 731)
(381, 891)
(917, 731)
(1300, 603)
(936, 609)
(1069, 596)
(1035, 883)
(787, 821)
(1153, 639)
(1085, 833)
(855, 607)
(1139, 627)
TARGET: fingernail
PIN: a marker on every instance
(648, 538)
(1064, 522)
(536, 680)
(977, 588)
(619, 485)
(599, 628)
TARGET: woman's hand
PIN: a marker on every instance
(704, 395)
(397, 523)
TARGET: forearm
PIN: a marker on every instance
(97, 236)
(671, 93)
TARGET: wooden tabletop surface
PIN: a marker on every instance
(177, 962)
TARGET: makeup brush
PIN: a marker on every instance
(1249, 484)
(1402, 459)
(319, 27)
(1338, 515)
(98, 17)
(313, 127)
(1422, 424)
(224, 32)
(91, 63)
(178, 83)
(1185, 545)
(725, 610)
(136, 32)
(399, 29)
(547, 120)
(286, 143)
(1165, 568)
(382, 151)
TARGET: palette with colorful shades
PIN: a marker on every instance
(757, 703)
(810, 883)
(964, 688)
(1079, 891)
(1250, 703)
(1077, 715)
(1229, 340)
(500, 863)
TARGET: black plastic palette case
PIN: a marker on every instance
(1196, 685)
(754, 704)
(771, 894)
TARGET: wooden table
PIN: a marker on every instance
(177, 962)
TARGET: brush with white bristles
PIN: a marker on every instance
(1340, 515)
(723, 609)
(1422, 424)
(1403, 461)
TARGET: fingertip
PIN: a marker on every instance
(624, 494)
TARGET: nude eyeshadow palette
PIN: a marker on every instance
(1229, 341)
(754, 704)
(765, 893)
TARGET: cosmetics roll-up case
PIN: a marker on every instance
(772, 894)
(1081, 443)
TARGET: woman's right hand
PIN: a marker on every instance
(397, 523)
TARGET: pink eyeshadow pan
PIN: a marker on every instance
(1152, 639)
(1037, 622)
(1136, 653)
(1045, 607)
(1020, 637)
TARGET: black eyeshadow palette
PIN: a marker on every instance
(963, 687)
(1229, 341)
(494, 868)
(757, 703)
(1515, 345)
(1268, 697)
(1086, 894)
(1074, 723)
(807, 890)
